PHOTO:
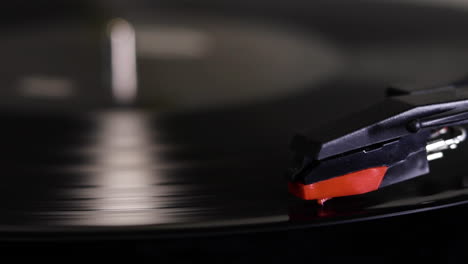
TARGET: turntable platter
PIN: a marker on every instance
(204, 143)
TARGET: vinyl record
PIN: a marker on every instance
(168, 119)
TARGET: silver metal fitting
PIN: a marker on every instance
(435, 147)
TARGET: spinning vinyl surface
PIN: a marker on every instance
(197, 140)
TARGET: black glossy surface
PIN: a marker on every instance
(106, 168)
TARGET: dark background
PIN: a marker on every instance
(276, 67)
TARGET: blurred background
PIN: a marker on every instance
(168, 117)
(183, 55)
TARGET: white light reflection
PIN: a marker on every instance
(127, 162)
(125, 184)
(127, 190)
(123, 61)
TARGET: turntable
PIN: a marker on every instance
(152, 129)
